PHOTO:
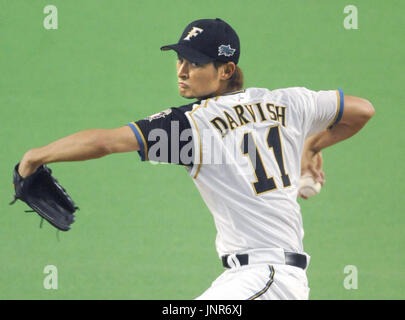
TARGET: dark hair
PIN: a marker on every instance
(235, 82)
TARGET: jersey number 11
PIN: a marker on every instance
(263, 182)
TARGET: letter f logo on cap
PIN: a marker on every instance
(193, 33)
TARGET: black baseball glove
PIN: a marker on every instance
(42, 192)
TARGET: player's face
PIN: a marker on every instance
(196, 81)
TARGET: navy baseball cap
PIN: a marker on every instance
(207, 40)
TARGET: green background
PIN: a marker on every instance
(143, 231)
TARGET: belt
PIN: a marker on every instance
(291, 259)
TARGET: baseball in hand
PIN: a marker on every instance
(308, 187)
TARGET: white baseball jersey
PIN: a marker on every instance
(243, 151)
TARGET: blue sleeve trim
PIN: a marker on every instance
(140, 141)
(342, 105)
(341, 108)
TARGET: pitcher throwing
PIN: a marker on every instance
(244, 148)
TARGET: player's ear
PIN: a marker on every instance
(227, 70)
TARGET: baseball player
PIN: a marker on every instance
(244, 148)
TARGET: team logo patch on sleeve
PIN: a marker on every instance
(158, 115)
(225, 50)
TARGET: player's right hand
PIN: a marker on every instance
(312, 163)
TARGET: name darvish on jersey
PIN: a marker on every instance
(248, 113)
(243, 151)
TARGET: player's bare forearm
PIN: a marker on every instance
(357, 112)
(328, 138)
(84, 145)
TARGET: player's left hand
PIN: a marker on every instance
(43, 193)
(27, 166)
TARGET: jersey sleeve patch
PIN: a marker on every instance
(158, 115)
